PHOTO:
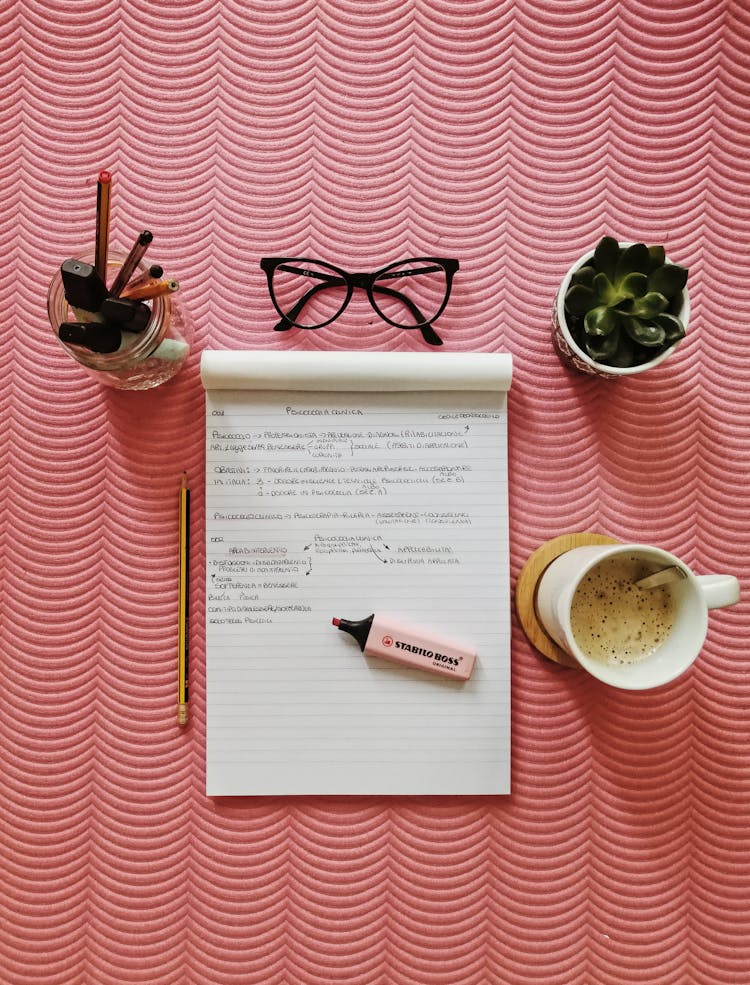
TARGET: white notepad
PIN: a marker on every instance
(337, 485)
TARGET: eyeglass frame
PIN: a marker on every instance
(364, 281)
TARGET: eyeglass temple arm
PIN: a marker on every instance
(411, 272)
(287, 320)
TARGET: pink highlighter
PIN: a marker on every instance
(411, 646)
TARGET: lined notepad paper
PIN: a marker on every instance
(342, 484)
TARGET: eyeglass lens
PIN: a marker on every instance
(410, 293)
(407, 294)
(309, 293)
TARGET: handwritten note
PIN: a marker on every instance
(335, 502)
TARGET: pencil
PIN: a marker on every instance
(131, 262)
(103, 194)
(154, 272)
(151, 289)
(182, 605)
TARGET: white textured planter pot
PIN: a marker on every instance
(573, 356)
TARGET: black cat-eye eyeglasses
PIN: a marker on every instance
(424, 286)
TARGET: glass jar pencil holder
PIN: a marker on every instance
(143, 359)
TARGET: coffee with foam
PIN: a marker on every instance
(615, 621)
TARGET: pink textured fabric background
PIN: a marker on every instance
(510, 135)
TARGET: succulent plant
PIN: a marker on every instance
(622, 304)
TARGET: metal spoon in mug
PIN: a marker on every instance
(664, 577)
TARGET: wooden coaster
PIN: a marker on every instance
(526, 587)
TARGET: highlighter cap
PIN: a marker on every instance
(95, 336)
(359, 628)
(83, 286)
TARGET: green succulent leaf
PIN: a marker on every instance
(624, 306)
(657, 255)
(668, 279)
(606, 255)
(674, 330)
(584, 275)
(603, 348)
(634, 285)
(633, 259)
(600, 321)
(579, 299)
(649, 306)
(625, 353)
(644, 333)
(604, 290)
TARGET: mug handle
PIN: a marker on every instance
(719, 590)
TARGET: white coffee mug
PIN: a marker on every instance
(679, 626)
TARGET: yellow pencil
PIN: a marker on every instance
(151, 289)
(182, 605)
(103, 194)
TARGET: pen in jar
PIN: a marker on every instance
(103, 194)
(130, 263)
(154, 272)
